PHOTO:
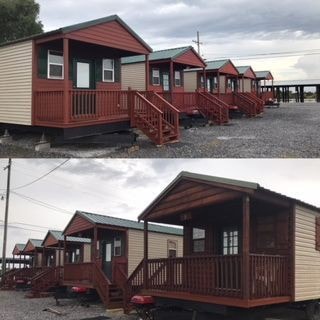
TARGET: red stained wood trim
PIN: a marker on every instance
(213, 199)
(111, 34)
(229, 69)
(249, 74)
(246, 247)
(190, 58)
(77, 224)
(50, 241)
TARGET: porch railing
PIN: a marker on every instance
(78, 272)
(219, 276)
(83, 105)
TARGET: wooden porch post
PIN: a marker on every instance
(66, 105)
(218, 78)
(145, 257)
(59, 255)
(64, 250)
(204, 80)
(147, 72)
(242, 85)
(95, 241)
(171, 80)
(43, 260)
(246, 247)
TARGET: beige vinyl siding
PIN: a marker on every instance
(222, 84)
(190, 81)
(157, 245)
(133, 76)
(39, 260)
(86, 252)
(57, 257)
(16, 83)
(307, 258)
(247, 85)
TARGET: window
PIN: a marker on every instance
(172, 249)
(253, 84)
(229, 83)
(75, 258)
(230, 241)
(318, 233)
(201, 81)
(266, 232)
(55, 65)
(108, 70)
(156, 77)
(177, 78)
(198, 239)
(117, 246)
(215, 82)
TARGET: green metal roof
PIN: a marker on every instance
(37, 243)
(211, 65)
(262, 74)
(167, 54)
(231, 182)
(20, 246)
(80, 26)
(58, 235)
(243, 69)
(128, 224)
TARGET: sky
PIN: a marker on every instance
(238, 29)
(123, 188)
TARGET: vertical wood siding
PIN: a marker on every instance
(86, 252)
(190, 81)
(307, 258)
(189, 58)
(134, 76)
(16, 83)
(158, 247)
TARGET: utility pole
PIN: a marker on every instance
(198, 42)
(5, 229)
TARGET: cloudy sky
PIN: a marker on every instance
(228, 28)
(123, 188)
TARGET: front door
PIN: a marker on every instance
(83, 74)
(165, 82)
(107, 253)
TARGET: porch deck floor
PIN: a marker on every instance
(226, 301)
(85, 284)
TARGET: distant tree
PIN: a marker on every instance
(19, 19)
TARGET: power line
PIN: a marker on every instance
(43, 204)
(20, 228)
(41, 177)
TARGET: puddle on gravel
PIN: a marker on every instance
(240, 137)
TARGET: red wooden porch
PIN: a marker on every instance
(215, 278)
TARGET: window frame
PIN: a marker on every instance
(55, 64)
(230, 236)
(152, 77)
(108, 69)
(117, 239)
(202, 239)
(169, 248)
(179, 79)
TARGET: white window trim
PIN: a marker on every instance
(114, 246)
(56, 64)
(107, 69)
(156, 84)
(175, 78)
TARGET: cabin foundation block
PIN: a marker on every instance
(6, 138)
(43, 144)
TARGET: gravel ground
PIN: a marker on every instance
(14, 306)
(292, 131)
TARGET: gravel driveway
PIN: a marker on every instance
(291, 131)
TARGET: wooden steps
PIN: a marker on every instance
(155, 117)
(116, 297)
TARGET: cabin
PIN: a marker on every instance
(266, 94)
(247, 79)
(68, 81)
(244, 246)
(116, 250)
(55, 250)
(34, 249)
(18, 253)
(165, 79)
(165, 68)
(220, 80)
